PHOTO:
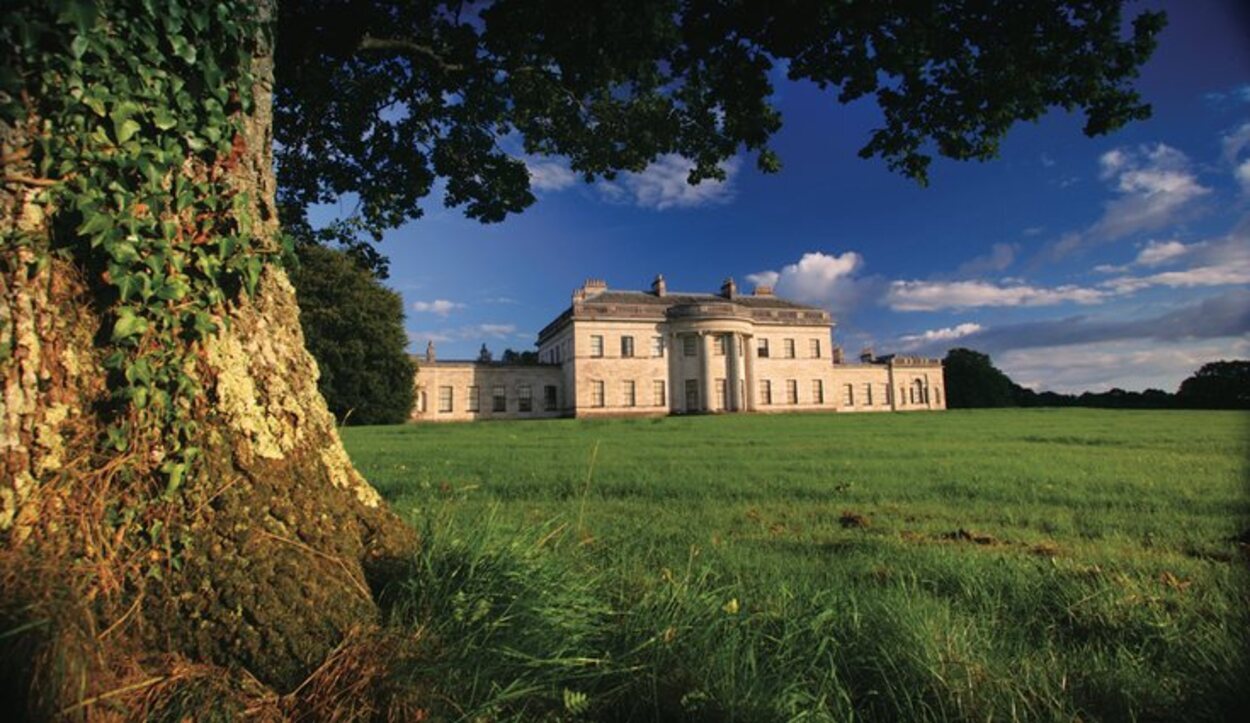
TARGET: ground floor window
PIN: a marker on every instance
(818, 391)
(549, 398)
(524, 398)
(692, 395)
(792, 391)
(473, 401)
(444, 399)
(500, 399)
(849, 399)
(596, 393)
(937, 395)
(868, 394)
(657, 393)
(627, 391)
(766, 391)
(720, 393)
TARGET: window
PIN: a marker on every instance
(627, 347)
(499, 397)
(524, 398)
(766, 392)
(815, 348)
(688, 345)
(720, 393)
(473, 402)
(918, 392)
(788, 348)
(657, 393)
(889, 393)
(444, 399)
(627, 389)
(868, 395)
(718, 345)
(818, 391)
(763, 349)
(849, 398)
(692, 395)
(657, 346)
(596, 346)
(792, 391)
(937, 395)
(549, 398)
(902, 395)
(596, 393)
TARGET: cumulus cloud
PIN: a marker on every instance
(937, 295)
(441, 307)
(831, 280)
(549, 175)
(664, 185)
(949, 333)
(1127, 364)
(470, 332)
(1219, 262)
(1155, 186)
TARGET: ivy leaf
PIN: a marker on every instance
(125, 130)
(182, 48)
(164, 119)
(95, 226)
(78, 46)
(127, 324)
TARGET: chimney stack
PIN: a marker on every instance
(589, 290)
(658, 287)
(866, 356)
(763, 290)
(729, 289)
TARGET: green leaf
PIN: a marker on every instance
(128, 324)
(182, 48)
(95, 225)
(125, 130)
(78, 46)
(164, 119)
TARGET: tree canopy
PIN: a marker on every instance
(1217, 385)
(973, 381)
(384, 101)
(354, 328)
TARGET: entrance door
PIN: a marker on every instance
(692, 395)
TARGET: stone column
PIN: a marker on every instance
(731, 373)
(705, 368)
(672, 382)
(749, 356)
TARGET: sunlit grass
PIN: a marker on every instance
(1030, 564)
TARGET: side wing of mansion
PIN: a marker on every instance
(616, 353)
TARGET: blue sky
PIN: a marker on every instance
(1076, 263)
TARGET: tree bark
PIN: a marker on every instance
(281, 540)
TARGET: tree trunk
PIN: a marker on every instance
(268, 554)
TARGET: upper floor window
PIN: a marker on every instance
(627, 347)
(657, 346)
(718, 345)
(689, 345)
(763, 349)
(815, 348)
(788, 348)
(596, 346)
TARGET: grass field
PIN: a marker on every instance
(996, 564)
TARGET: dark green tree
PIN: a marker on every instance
(1217, 385)
(973, 381)
(354, 328)
(166, 454)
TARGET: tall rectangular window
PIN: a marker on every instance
(815, 348)
(627, 392)
(868, 395)
(499, 398)
(849, 395)
(596, 393)
(692, 395)
(657, 393)
(766, 391)
(720, 393)
(524, 398)
(762, 349)
(444, 399)
(657, 346)
(792, 391)
(818, 391)
(549, 398)
(689, 345)
(627, 347)
(596, 346)
(889, 393)
(788, 348)
(718, 345)
(474, 401)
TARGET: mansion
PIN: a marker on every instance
(617, 353)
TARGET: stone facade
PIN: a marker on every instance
(617, 353)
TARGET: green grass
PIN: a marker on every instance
(1014, 564)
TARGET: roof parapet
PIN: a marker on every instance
(763, 290)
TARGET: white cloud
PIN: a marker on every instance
(471, 332)
(1156, 253)
(442, 307)
(1219, 262)
(546, 175)
(664, 185)
(935, 295)
(1242, 174)
(819, 278)
(1234, 142)
(998, 259)
(1188, 278)
(945, 334)
(1155, 186)
(1128, 364)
